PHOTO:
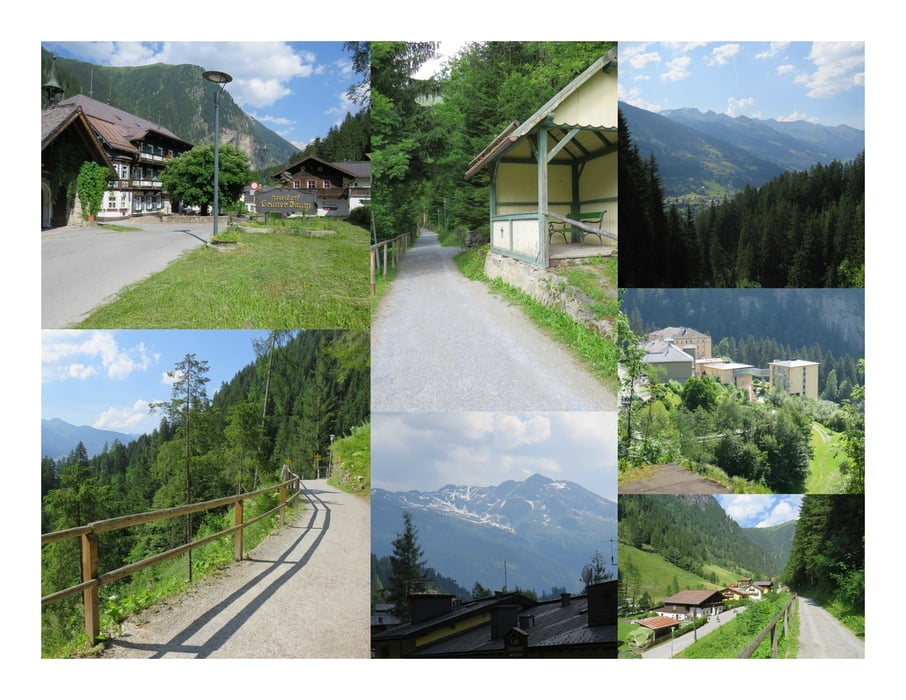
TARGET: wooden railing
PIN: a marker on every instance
(92, 579)
(387, 253)
(771, 628)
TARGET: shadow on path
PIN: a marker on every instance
(305, 544)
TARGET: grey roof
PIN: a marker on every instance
(661, 351)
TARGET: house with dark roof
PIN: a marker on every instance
(506, 626)
(138, 149)
(338, 187)
(692, 604)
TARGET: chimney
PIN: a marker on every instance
(565, 599)
(424, 606)
(602, 603)
(503, 619)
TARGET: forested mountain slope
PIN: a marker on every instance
(690, 532)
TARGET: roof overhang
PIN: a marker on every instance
(579, 133)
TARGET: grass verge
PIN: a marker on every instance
(598, 353)
(285, 279)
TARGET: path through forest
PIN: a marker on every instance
(302, 593)
(442, 342)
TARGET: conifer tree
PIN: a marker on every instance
(407, 567)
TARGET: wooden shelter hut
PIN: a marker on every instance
(553, 178)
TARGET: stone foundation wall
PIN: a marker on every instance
(546, 288)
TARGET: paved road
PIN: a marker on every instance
(441, 342)
(822, 636)
(82, 267)
(671, 478)
(303, 593)
(668, 649)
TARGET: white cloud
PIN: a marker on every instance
(839, 66)
(641, 59)
(737, 107)
(126, 418)
(722, 54)
(774, 48)
(83, 354)
(677, 69)
(760, 510)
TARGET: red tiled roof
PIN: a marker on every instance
(658, 622)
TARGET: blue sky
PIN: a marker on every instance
(821, 82)
(107, 379)
(296, 89)
(425, 451)
(760, 510)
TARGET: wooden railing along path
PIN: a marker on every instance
(92, 579)
(771, 629)
(388, 253)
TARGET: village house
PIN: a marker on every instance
(137, 149)
(691, 605)
(338, 187)
(506, 626)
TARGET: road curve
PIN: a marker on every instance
(822, 636)
(442, 342)
(302, 593)
(84, 267)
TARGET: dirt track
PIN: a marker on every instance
(671, 478)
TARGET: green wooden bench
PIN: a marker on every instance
(584, 224)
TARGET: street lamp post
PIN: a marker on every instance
(218, 78)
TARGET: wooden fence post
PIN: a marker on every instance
(90, 596)
(282, 505)
(237, 536)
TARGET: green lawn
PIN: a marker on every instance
(285, 279)
(824, 469)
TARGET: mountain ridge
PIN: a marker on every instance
(538, 532)
(59, 438)
(709, 154)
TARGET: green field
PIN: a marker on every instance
(824, 469)
(286, 279)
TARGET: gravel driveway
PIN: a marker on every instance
(302, 593)
(442, 342)
(822, 636)
(83, 267)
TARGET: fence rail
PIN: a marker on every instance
(771, 629)
(92, 579)
(388, 253)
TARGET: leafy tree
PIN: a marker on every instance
(407, 568)
(91, 184)
(189, 178)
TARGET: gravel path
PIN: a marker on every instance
(822, 636)
(442, 342)
(302, 593)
